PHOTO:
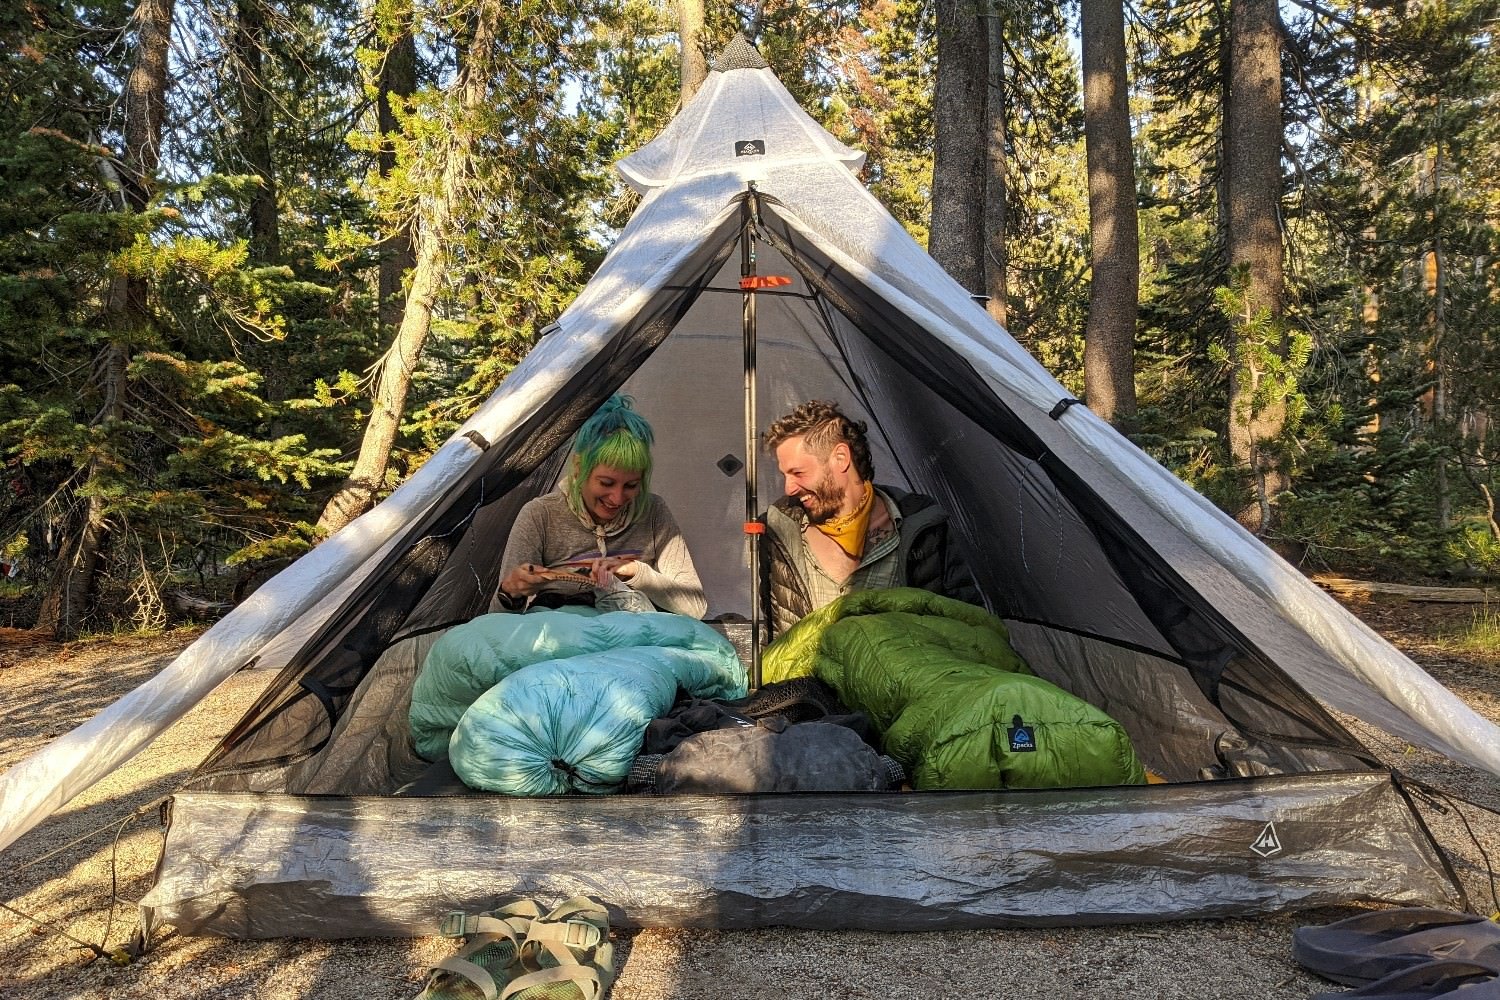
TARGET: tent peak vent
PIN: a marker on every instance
(739, 54)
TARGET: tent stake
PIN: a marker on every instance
(753, 527)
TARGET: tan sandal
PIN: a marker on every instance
(567, 955)
(490, 956)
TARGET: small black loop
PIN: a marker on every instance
(1062, 407)
(479, 439)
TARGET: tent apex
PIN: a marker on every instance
(740, 53)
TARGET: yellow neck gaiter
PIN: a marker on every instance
(848, 531)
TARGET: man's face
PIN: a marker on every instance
(809, 479)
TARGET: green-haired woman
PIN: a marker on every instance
(606, 523)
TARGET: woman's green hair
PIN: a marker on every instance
(616, 436)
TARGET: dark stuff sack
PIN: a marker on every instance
(807, 757)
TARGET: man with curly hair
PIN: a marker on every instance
(835, 531)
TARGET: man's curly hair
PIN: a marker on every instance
(822, 425)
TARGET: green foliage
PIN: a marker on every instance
(1475, 546)
(1481, 636)
(1272, 359)
(211, 423)
(152, 415)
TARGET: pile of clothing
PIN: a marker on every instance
(1407, 953)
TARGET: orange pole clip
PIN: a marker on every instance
(764, 281)
(754, 528)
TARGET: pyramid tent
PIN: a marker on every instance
(1118, 582)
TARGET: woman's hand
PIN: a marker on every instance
(523, 581)
(603, 571)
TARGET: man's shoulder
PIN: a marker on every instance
(910, 504)
(784, 520)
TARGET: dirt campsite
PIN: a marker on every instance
(103, 846)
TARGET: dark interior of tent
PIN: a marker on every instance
(1091, 604)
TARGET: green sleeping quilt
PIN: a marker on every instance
(952, 700)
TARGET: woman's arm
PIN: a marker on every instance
(526, 546)
(672, 584)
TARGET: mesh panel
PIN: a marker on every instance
(739, 54)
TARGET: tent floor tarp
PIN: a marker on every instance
(272, 865)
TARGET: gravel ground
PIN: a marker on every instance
(49, 689)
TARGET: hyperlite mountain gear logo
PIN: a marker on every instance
(750, 147)
(1022, 737)
(1268, 843)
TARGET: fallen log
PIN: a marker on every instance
(1437, 595)
(196, 608)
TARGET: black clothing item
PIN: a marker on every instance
(778, 739)
(688, 717)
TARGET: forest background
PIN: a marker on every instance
(259, 258)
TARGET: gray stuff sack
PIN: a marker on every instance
(807, 757)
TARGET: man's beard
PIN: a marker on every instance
(825, 503)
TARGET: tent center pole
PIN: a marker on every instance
(753, 527)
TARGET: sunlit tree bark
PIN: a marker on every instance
(690, 38)
(1253, 140)
(1109, 339)
(961, 144)
(393, 380)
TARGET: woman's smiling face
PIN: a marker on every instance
(608, 491)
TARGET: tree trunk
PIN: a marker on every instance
(1114, 241)
(255, 129)
(961, 145)
(1369, 312)
(1253, 138)
(690, 38)
(996, 221)
(398, 79)
(359, 492)
(1437, 396)
(70, 589)
(1434, 280)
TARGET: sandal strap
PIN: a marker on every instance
(573, 933)
(576, 905)
(473, 973)
(458, 923)
(586, 979)
(579, 922)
